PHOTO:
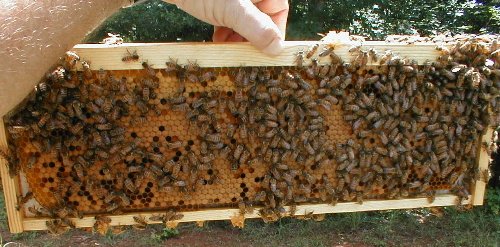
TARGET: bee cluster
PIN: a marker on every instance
(185, 137)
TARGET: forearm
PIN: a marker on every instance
(34, 34)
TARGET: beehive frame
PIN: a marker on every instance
(232, 55)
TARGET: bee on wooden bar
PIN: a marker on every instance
(140, 222)
(131, 57)
(192, 67)
(55, 227)
(299, 59)
(149, 70)
(312, 50)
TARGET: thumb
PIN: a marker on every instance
(257, 27)
(240, 15)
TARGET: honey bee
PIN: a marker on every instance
(243, 131)
(192, 67)
(180, 183)
(130, 57)
(184, 107)
(172, 65)
(113, 208)
(312, 50)
(140, 222)
(39, 212)
(207, 159)
(299, 59)
(208, 76)
(171, 215)
(353, 108)
(24, 199)
(193, 78)
(238, 151)
(225, 151)
(431, 196)
(327, 51)
(101, 224)
(129, 185)
(174, 145)
(253, 74)
(149, 70)
(55, 227)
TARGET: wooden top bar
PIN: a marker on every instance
(109, 57)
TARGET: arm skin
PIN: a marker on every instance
(35, 33)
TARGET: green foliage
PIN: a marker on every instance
(164, 234)
(493, 201)
(425, 18)
(386, 228)
(153, 21)
(156, 21)
(27, 236)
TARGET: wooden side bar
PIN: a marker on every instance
(483, 162)
(10, 189)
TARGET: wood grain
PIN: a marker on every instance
(101, 56)
(10, 189)
(483, 162)
(225, 214)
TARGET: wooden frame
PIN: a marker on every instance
(230, 54)
(228, 213)
(11, 189)
(109, 57)
(483, 162)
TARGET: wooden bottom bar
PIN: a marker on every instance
(226, 214)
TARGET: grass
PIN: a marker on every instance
(3, 213)
(418, 227)
(390, 228)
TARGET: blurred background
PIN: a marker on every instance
(156, 21)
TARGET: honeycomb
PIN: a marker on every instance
(100, 142)
(49, 173)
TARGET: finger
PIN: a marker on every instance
(277, 9)
(258, 28)
(235, 37)
(280, 19)
(271, 7)
(221, 34)
(224, 34)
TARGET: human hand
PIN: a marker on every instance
(262, 22)
(34, 34)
